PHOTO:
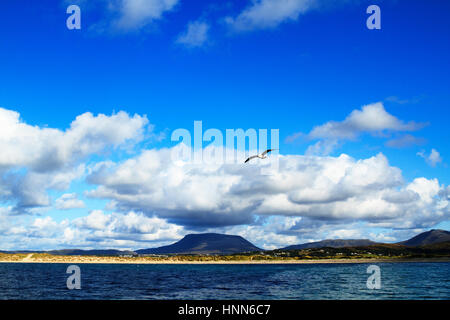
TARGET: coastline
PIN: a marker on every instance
(115, 260)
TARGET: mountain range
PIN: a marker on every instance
(336, 243)
(223, 244)
(426, 238)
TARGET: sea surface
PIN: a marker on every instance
(214, 282)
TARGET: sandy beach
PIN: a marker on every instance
(30, 258)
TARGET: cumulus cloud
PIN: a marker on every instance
(272, 234)
(372, 119)
(34, 159)
(69, 201)
(130, 226)
(124, 16)
(217, 195)
(264, 14)
(432, 159)
(195, 36)
(49, 149)
(28, 189)
(157, 199)
(97, 230)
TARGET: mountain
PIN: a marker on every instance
(206, 243)
(222, 244)
(79, 252)
(426, 238)
(337, 243)
(422, 239)
(21, 251)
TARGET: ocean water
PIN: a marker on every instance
(214, 282)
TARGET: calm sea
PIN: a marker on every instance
(318, 281)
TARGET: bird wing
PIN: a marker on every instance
(267, 151)
(252, 157)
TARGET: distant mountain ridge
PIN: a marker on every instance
(79, 252)
(223, 244)
(336, 243)
(426, 238)
(206, 243)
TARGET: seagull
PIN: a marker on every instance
(261, 156)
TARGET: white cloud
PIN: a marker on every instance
(97, 230)
(264, 14)
(135, 14)
(69, 201)
(213, 195)
(372, 119)
(43, 223)
(196, 35)
(34, 159)
(48, 149)
(426, 189)
(322, 147)
(345, 234)
(130, 226)
(157, 200)
(29, 189)
(432, 159)
(268, 236)
(96, 220)
(381, 237)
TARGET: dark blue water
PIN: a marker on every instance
(318, 281)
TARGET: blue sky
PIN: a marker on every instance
(293, 66)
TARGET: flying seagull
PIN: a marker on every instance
(261, 156)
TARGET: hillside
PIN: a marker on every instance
(337, 243)
(222, 244)
(422, 239)
(380, 251)
(426, 238)
(79, 252)
(75, 252)
(206, 243)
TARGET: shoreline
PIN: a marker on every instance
(97, 260)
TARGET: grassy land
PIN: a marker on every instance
(356, 254)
